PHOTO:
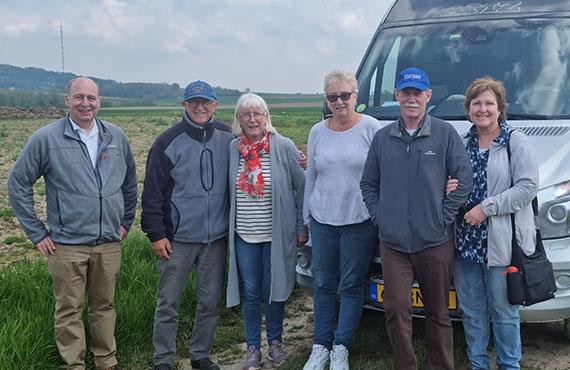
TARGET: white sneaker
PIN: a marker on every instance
(339, 358)
(318, 359)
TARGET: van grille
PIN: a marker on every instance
(544, 131)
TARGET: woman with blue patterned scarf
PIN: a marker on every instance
(501, 186)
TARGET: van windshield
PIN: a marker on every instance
(530, 56)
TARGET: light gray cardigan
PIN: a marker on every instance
(503, 199)
(287, 185)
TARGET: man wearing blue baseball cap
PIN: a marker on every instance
(185, 214)
(403, 185)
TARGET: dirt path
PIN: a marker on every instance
(545, 346)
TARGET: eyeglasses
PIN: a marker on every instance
(248, 115)
(194, 102)
(344, 96)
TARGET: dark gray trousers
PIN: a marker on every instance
(210, 264)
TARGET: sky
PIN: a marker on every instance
(264, 45)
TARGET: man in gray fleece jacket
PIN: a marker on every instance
(91, 195)
(403, 185)
(185, 213)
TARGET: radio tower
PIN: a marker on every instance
(61, 38)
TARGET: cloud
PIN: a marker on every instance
(266, 45)
(18, 28)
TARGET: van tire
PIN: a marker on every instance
(567, 328)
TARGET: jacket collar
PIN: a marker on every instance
(398, 129)
(198, 132)
(104, 133)
(471, 137)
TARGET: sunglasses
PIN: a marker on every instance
(344, 96)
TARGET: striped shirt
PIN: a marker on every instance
(253, 215)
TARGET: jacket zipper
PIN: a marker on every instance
(208, 213)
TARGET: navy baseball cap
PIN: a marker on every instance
(199, 89)
(413, 77)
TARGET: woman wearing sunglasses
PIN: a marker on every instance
(343, 235)
(266, 194)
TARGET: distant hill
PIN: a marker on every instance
(31, 87)
(40, 80)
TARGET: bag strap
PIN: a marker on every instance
(516, 256)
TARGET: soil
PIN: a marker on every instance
(545, 346)
(15, 112)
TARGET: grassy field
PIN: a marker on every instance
(26, 302)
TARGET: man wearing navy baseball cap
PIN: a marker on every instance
(185, 214)
(403, 185)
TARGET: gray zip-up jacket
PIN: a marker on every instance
(403, 184)
(287, 186)
(85, 205)
(185, 196)
(502, 199)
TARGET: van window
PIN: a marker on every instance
(530, 56)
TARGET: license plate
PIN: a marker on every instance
(376, 294)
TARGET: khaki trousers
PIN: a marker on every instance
(75, 270)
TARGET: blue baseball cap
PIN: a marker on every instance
(199, 89)
(413, 77)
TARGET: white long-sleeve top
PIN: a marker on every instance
(334, 168)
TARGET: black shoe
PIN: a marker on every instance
(205, 364)
(163, 367)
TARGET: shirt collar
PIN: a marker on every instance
(76, 128)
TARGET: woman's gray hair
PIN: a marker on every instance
(251, 100)
(338, 76)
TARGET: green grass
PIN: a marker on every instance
(26, 313)
(371, 348)
(6, 212)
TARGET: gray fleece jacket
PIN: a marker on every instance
(85, 205)
(403, 184)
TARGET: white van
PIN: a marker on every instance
(525, 44)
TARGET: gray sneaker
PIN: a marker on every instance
(252, 359)
(339, 358)
(276, 354)
(319, 358)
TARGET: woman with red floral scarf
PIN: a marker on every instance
(266, 225)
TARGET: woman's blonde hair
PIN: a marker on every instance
(338, 76)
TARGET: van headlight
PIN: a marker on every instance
(304, 257)
(554, 212)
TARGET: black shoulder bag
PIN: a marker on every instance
(530, 279)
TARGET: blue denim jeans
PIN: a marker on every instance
(254, 266)
(341, 255)
(482, 294)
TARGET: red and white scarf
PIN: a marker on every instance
(250, 179)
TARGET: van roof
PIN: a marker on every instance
(414, 10)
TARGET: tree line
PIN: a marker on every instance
(30, 86)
